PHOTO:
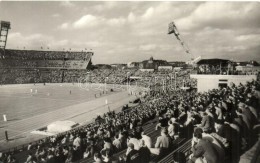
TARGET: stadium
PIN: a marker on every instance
(58, 106)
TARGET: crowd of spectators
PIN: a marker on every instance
(18, 76)
(26, 76)
(210, 69)
(226, 126)
(43, 55)
(223, 120)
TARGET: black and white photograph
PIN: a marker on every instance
(129, 81)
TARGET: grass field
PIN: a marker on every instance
(27, 111)
(17, 101)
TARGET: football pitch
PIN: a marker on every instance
(18, 102)
(29, 107)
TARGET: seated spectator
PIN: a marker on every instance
(132, 155)
(144, 152)
(162, 122)
(203, 149)
(207, 123)
(76, 154)
(179, 157)
(77, 141)
(107, 157)
(29, 158)
(97, 158)
(134, 141)
(218, 110)
(117, 143)
(108, 145)
(50, 157)
(138, 130)
(86, 154)
(147, 140)
(249, 116)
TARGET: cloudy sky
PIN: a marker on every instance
(120, 32)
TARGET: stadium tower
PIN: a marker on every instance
(4, 27)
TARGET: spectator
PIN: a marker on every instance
(108, 145)
(203, 149)
(97, 158)
(179, 157)
(207, 123)
(163, 142)
(117, 143)
(132, 155)
(147, 140)
(134, 141)
(144, 152)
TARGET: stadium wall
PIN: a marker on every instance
(208, 82)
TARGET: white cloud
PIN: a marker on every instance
(148, 13)
(67, 3)
(93, 21)
(116, 21)
(58, 44)
(34, 41)
(222, 15)
(14, 35)
(105, 6)
(55, 15)
(86, 20)
(148, 47)
(131, 17)
(250, 37)
(64, 26)
(93, 44)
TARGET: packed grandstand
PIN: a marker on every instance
(166, 126)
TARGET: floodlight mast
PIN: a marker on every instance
(4, 27)
(173, 30)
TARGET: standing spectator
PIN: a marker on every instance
(163, 142)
